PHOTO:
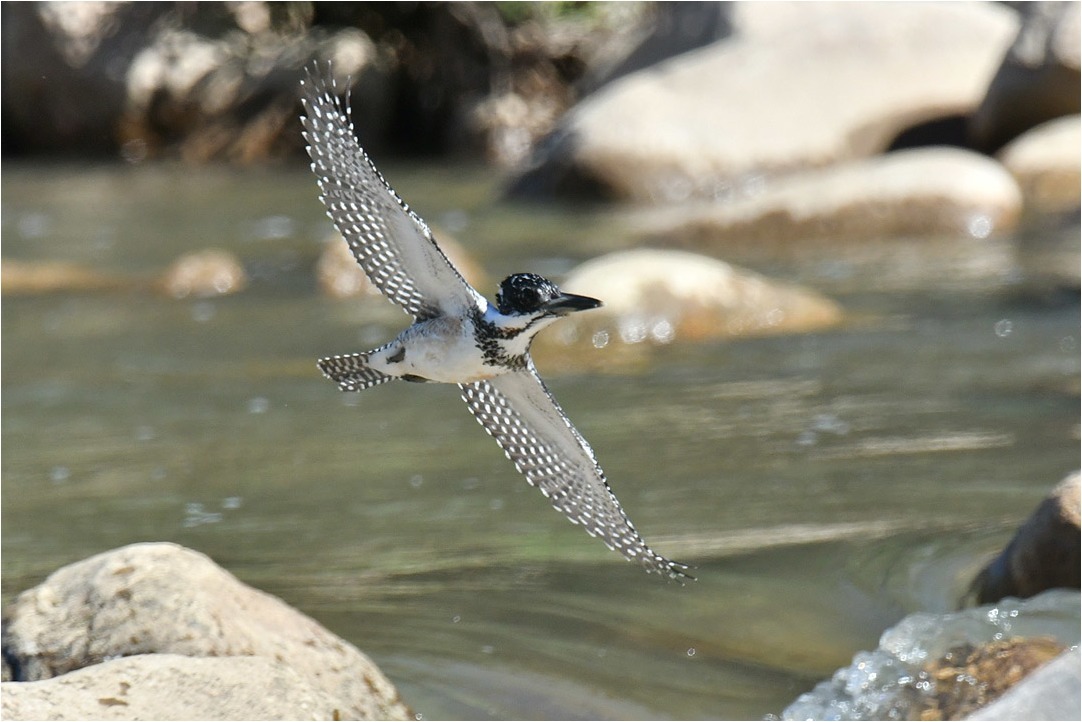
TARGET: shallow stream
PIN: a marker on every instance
(823, 485)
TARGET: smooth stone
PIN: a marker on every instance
(658, 297)
(162, 598)
(920, 192)
(1044, 553)
(171, 687)
(798, 85)
(1039, 76)
(1047, 163)
(203, 274)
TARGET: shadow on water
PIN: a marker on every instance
(823, 485)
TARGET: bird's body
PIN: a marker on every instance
(460, 337)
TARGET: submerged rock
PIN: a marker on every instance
(1044, 553)
(896, 680)
(657, 297)
(18, 278)
(1050, 693)
(163, 599)
(929, 191)
(203, 274)
(968, 677)
(1047, 163)
(798, 85)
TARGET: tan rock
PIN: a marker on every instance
(1047, 163)
(203, 274)
(927, 191)
(165, 599)
(1044, 553)
(798, 85)
(171, 687)
(657, 297)
(31, 277)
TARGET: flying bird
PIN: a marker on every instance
(457, 335)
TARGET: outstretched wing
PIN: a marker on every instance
(520, 413)
(390, 242)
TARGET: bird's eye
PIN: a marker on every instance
(530, 298)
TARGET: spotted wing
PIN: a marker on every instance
(520, 413)
(390, 242)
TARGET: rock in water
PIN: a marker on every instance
(163, 599)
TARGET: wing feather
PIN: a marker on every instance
(390, 242)
(521, 414)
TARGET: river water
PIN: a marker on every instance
(822, 485)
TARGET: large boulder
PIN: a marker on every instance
(798, 85)
(926, 191)
(164, 599)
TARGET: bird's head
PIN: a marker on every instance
(527, 294)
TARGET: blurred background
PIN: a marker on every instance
(837, 367)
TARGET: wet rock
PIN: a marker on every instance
(19, 278)
(203, 274)
(898, 679)
(658, 297)
(927, 191)
(1050, 693)
(969, 677)
(169, 686)
(1046, 163)
(1044, 553)
(165, 599)
(798, 85)
(1038, 78)
(340, 276)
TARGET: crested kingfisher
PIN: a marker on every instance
(458, 336)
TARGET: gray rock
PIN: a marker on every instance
(927, 191)
(798, 85)
(171, 687)
(1050, 693)
(1038, 78)
(1044, 553)
(165, 599)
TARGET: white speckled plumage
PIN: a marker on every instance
(458, 336)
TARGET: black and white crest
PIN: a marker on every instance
(524, 293)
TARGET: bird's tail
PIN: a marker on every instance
(351, 372)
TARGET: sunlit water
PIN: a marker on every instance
(822, 485)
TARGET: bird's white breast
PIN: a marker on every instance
(441, 349)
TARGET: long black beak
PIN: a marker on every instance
(567, 303)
